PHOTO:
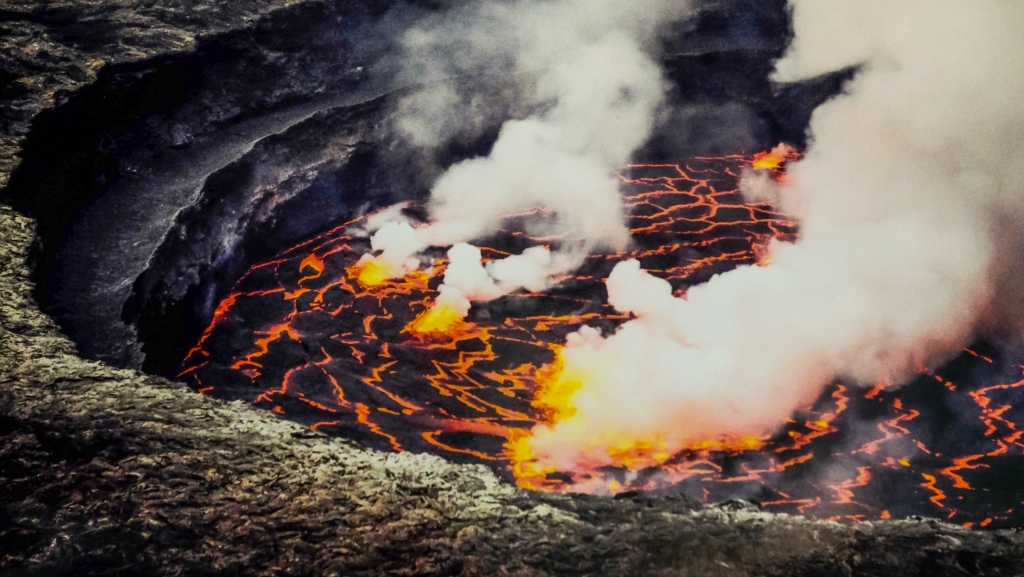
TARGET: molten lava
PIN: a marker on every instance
(555, 389)
(371, 274)
(322, 335)
(775, 158)
(439, 319)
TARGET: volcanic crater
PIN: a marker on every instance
(200, 217)
(196, 219)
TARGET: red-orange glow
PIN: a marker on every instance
(937, 494)
(371, 273)
(636, 455)
(431, 438)
(363, 413)
(556, 388)
(774, 158)
(341, 345)
(438, 319)
(554, 395)
(529, 474)
(314, 262)
(844, 490)
(727, 445)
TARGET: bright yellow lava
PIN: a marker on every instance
(728, 445)
(558, 385)
(440, 319)
(528, 472)
(768, 161)
(636, 455)
(373, 273)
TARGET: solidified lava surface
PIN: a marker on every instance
(301, 335)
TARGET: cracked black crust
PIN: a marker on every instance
(110, 472)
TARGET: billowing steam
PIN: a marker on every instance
(585, 71)
(911, 203)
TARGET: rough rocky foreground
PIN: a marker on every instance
(112, 472)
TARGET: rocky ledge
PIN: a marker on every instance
(113, 472)
(50, 49)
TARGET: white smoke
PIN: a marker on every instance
(587, 70)
(468, 280)
(467, 275)
(532, 270)
(911, 204)
(396, 242)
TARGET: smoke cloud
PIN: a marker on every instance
(396, 241)
(911, 204)
(584, 79)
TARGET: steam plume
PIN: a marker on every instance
(584, 72)
(911, 203)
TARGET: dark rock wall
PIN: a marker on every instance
(109, 171)
(50, 49)
(307, 178)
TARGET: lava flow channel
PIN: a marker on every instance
(322, 341)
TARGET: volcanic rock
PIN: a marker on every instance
(109, 471)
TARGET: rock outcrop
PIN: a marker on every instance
(107, 471)
(51, 49)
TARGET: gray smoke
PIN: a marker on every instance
(584, 76)
(911, 204)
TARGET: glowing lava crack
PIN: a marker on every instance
(327, 340)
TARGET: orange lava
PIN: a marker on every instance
(774, 159)
(342, 346)
(371, 273)
(439, 319)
